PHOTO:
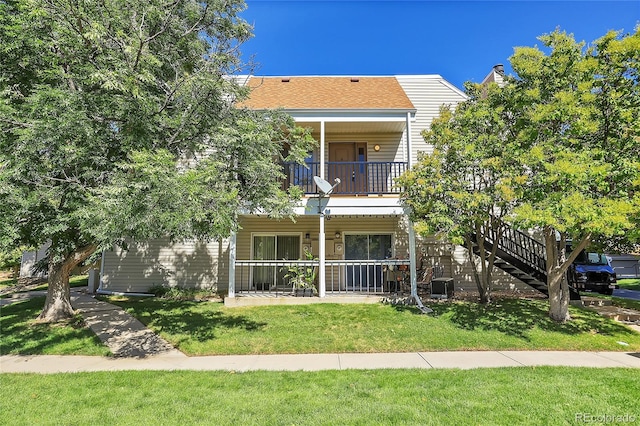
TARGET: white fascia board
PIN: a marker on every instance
(360, 206)
(354, 206)
(351, 115)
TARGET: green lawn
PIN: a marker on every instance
(208, 328)
(507, 396)
(22, 335)
(74, 281)
(630, 284)
(198, 328)
(6, 284)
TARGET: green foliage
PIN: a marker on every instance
(178, 293)
(464, 187)
(467, 177)
(578, 129)
(10, 259)
(119, 120)
(630, 284)
(303, 276)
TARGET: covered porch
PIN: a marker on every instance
(363, 255)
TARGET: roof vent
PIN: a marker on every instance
(286, 80)
(354, 79)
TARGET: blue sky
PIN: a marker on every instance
(460, 40)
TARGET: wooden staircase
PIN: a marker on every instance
(522, 257)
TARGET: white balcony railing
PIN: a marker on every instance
(341, 276)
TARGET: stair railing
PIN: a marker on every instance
(519, 246)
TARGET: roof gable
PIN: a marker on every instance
(318, 93)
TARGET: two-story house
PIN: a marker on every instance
(361, 242)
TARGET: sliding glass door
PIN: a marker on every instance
(273, 247)
(366, 247)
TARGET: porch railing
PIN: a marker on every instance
(357, 177)
(341, 276)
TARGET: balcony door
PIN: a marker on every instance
(348, 161)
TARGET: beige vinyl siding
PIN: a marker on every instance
(392, 145)
(463, 275)
(455, 263)
(188, 264)
(253, 225)
(428, 94)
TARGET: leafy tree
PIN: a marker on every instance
(579, 133)
(462, 190)
(118, 120)
(10, 259)
(561, 145)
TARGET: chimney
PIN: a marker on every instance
(499, 68)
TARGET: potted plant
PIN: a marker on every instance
(303, 277)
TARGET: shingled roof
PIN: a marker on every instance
(318, 93)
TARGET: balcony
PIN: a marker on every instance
(357, 177)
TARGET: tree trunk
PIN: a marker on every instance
(57, 306)
(476, 275)
(557, 266)
(558, 305)
(558, 295)
(480, 277)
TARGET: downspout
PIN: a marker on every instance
(409, 143)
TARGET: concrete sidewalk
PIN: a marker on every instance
(316, 362)
(125, 335)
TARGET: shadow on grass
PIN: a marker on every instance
(22, 335)
(199, 320)
(517, 317)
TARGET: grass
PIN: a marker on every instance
(74, 281)
(6, 279)
(630, 284)
(21, 334)
(7, 282)
(508, 396)
(617, 301)
(511, 324)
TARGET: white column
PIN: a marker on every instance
(409, 144)
(322, 159)
(412, 232)
(232, 265)
(322, 284)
